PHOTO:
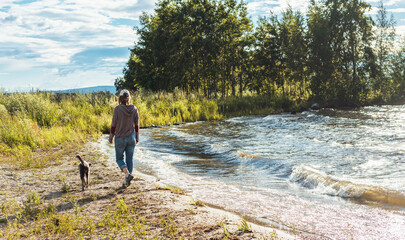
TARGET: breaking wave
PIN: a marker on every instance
(313, 179)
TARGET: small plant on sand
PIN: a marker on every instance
(227, 235)
(170, 228)
(122, 217)
(175, 190)
(191, 210)
(94, 197)
(138, 228)
(49, 210)
(244, 226)
(274, 236)
(31, 207)
(65, 187)
(67, 225)
(76, 208)
(69, 198)
(197, 202)
(9, 207)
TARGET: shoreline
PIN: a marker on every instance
(216, 212)
(157, 210)
(325, 107)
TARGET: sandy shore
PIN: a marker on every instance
(163, 212)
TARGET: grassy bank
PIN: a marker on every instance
(257, 105)
(33, 124)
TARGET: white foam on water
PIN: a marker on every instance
(324, 184)
(344, 174)
(322, 218)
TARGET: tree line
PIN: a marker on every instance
(334, 53)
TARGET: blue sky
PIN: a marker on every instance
(62, 44)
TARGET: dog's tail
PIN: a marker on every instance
(81, 160)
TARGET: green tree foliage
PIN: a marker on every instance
(340, 34)
(384, 43)
(193, 45)
(320, 60)
(331, 56)
(293, 54)
(398, 72)
(267, 56)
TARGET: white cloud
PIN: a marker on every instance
(260, 6)
(392, 2)
(372, 11)
(45, 79)
(77, 80)
(264, 7)
(397, 10)
(54, 31)
(103, 4)
(115, 60)
(45, 39)
(5, 3)
(297, 5)
(401, 30)
(15, 65)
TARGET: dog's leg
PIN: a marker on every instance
(87, 179)
(88, 173)
(83, 184)
(82, 172)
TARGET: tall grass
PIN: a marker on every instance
(255, 105)
(42, 121)
(167, 108)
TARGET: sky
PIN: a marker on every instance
(65, 44)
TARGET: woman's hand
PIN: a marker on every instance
(110, 139)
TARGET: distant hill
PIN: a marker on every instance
(110, 89)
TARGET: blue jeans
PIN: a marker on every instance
(127, 145)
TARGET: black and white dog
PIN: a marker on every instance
(84, 169)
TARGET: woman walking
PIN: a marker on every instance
(125, 128)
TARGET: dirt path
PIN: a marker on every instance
(48, 204)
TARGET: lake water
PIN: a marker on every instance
(327, 174)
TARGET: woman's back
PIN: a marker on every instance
(124, 119)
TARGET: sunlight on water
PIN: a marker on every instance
(336, 174)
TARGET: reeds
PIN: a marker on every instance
(43, 121)
(255, 105)
(168, 108)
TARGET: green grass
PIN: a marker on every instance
(43, 121)
(175, 190)
(33, 125)
(197, 202)
(257, 105)
(170, 228)
(226, 233)
(121, 219)
(244, 226)
(164, 108)
(36, 219)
